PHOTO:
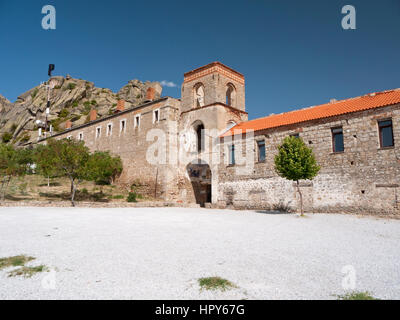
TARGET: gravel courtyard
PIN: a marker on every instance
(160, 253)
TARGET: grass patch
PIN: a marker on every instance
(14, 261)
(215, 283)
(355, 295)
(27, 272)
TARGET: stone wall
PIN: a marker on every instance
(363, 178)
(129, 141)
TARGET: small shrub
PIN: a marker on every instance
(71, 86)
(131, 197)
(85, 191)
(75, 104)
(87, 107)
(64, 113)
(118, 196)
(355, 295)
(27, 272)
(15, 261)
(13, 128)
(34, 93)
(93, 102)
(6, 137)
(57, 87)
(214, 283)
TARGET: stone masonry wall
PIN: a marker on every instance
(131, 144)
(364, 178)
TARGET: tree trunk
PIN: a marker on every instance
(301, 199)
(48, 182)
(73, 190)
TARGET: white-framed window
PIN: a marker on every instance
(98, 132)
(122, 126)
(109, 130)
(69, 137)
(156, 115)
(80, 136)
(136, 122)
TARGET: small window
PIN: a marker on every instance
(232, 154)
(386, 133)
(69, 137)
(337, 139)
(261, 150)
(296, 135)
(122, 126)
(200, 138)
(156, 115)
(109, 129)
(137, 121)
(80, 136)
(98, 132)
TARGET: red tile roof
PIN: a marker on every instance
(369, 101)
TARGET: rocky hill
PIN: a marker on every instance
(71, 99)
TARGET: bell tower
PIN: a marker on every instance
(212, 100)
(212, 84)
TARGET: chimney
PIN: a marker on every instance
(150, 94)
(93, 115)
(332, 101)
(68, 124)
(120, 106)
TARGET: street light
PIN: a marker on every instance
(51, 68)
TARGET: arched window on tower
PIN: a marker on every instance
(199, 95)
(230, 95)
(199, 128)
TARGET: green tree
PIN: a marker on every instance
(69, 158)
(103, 167)
(13, 163)
(45, 165)
(295, 161)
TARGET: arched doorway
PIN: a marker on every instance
(199, 173)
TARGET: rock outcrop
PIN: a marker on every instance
(71, 99)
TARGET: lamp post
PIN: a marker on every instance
(51, 68)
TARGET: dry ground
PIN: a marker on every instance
(35, 188)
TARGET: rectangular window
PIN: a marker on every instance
(137, 121)
(231, 154)
(98, 132)
(109, 129)
(156, 116)
(80, 136)
(337, 139)
(386, 133)
(261, 150)
(296, 135)
(122, 126)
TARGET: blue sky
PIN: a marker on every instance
(293, 54)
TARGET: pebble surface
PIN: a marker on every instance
(160, 253)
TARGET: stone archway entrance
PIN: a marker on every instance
(200, 177)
